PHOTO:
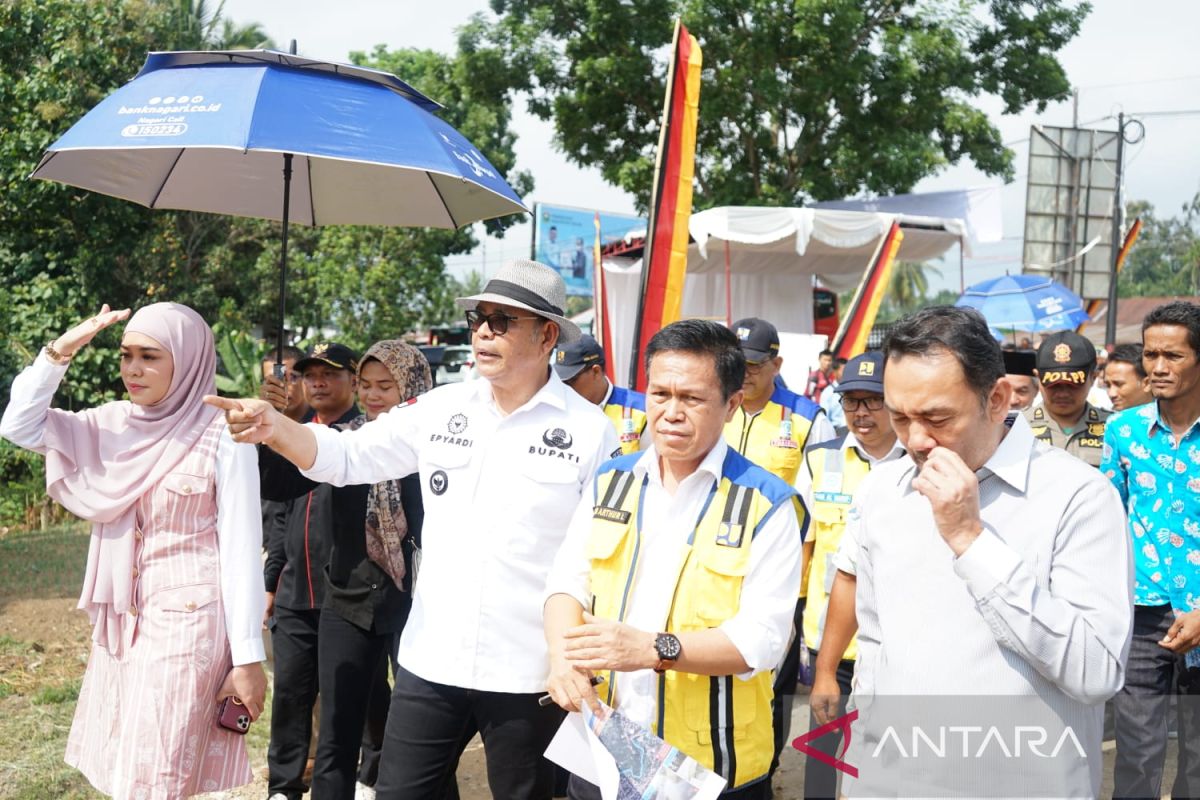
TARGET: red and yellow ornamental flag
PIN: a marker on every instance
(857, 320)
(665, 258)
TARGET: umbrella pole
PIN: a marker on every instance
(283, 252)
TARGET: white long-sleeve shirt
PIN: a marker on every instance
(1040, 605)
(239, 515)
(498, 491)
(762, 624)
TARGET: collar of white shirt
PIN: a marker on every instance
(553, 393)
(647, 465)
(1009, 462)
(895, 453)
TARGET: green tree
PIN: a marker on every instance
(1165, 261)
(907, 288)
(801, 99)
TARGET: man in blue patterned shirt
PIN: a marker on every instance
(1152, 456)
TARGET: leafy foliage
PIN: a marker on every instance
(64, 251)
(801, 99)
(1165, 262)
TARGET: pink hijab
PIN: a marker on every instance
(100, 462)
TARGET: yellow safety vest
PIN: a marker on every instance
(721, 721)
(775, 437)
(627, 411)
(836, 474)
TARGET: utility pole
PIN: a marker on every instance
(1110, 321)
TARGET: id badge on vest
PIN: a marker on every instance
(785, 435)
(628, 434)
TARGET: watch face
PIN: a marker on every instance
(668, 647)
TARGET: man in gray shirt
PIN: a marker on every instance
(993, 571)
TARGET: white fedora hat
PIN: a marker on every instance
(531, 286)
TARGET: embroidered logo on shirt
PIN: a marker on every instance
(729, 534)
(438, 482)
(558, 438)
(457, 423)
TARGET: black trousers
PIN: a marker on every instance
(430, 724)
(352, 662)
(379, 700)
(580, 789)
(294, 641)
(1153, 675)
(820, 779)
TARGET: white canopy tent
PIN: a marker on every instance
(774, 254)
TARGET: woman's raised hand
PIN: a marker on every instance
(70, 342)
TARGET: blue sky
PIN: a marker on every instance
(1131, 57)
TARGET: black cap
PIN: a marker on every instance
(1065, 357)
(573, 358)
(758, 338)
(329, 353)
(863, 373)
(1019, 362)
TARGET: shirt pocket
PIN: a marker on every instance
(784, 462)
(717, 593)
(444, 474)
(185, 492)
(546, 495)
(186, 599)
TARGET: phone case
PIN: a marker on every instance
(232, 715)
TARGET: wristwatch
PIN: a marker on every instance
(669, 649)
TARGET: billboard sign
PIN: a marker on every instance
(564, 238)
(1069, 201)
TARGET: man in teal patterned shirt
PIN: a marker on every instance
(1152, 456)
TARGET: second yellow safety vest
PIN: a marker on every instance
(836, 474)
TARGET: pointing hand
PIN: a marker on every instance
(250, 421)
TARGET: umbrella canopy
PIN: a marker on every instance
(206, 131)
(1025, 303)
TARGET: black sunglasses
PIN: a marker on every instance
(497, 321)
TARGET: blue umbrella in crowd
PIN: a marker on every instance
(1025, 303)
(260, 133)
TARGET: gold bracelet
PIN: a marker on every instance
(57, 357)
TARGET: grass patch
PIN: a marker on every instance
(41, 669)
(53, 695)
(46, 563)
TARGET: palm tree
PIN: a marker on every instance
(200, 27)
(908, 286)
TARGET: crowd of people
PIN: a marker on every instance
(938, 517)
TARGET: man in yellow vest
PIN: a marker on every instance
(580, 365)
(677, 579)
(772, 427)
(833, 472)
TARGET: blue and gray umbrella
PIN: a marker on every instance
(259, 133)
(1025, 303)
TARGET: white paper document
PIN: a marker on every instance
(628, 762)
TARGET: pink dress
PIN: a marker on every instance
(145, 726)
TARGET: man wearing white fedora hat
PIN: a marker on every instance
(503, 463)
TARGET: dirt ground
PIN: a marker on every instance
(43, 650)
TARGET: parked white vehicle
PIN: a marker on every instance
(458, 364)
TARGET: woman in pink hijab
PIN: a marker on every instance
(173, 586)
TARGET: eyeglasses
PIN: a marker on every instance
(497, 321)
(852, 404)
